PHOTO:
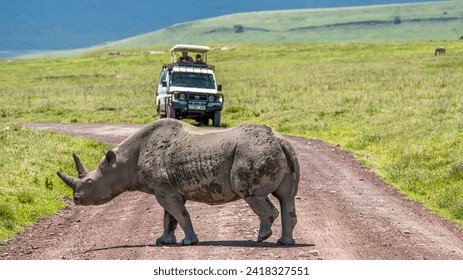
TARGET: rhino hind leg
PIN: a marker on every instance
(267, 213)
(285, 194)
(170, 224)
(175, 212)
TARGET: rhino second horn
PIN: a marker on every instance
(80, 167)
(70, 181)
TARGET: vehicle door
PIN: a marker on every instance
(161, 92)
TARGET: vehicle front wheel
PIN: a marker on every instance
(216, 120)
(170, 112)
(158, 111)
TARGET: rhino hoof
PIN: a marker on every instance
(165, 241)
(186, 242)
(264, 235)
(286, 241)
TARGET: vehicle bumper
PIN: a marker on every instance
(186, 106)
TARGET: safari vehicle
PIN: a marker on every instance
(187, 87)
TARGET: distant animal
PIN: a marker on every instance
(177, 162)
(439, 50)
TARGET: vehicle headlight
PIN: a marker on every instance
(182, 96)
(211, 98)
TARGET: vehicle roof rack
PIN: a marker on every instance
(194, 65)
(193, 48)
(190, 48)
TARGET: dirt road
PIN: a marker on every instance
(344, 212)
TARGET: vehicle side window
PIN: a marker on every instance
(163, 76)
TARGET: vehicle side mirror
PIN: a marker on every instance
(219, 87)
(164, 83)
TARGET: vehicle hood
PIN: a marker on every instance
(194, 90)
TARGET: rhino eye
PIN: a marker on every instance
(89, 182)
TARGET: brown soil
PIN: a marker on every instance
(344, 212)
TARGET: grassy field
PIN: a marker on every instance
(396, 106)
(29, 187)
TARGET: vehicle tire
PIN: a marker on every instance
(158, 111)
(170, 112)
(216, 119)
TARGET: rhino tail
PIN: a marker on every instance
(291, 158)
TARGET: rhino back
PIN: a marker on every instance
(209, 166)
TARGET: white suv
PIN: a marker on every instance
(187, 87)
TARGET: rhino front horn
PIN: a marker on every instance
(70, 181)
(80, 167)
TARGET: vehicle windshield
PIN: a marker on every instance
(199, 80)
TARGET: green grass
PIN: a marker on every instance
(79, 89)
(29, 187)
(396, 106)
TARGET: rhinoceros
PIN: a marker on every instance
(177, 162)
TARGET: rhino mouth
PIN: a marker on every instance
(79, 200)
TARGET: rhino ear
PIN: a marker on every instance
(110, 157)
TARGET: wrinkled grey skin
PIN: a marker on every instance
(178, 162)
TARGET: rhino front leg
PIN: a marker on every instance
(174, 205)
(266, 212)
(170, 224)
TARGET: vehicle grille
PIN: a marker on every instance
(196, 97)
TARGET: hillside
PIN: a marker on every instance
(60, 25)
(431, 21)
(402, 22)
